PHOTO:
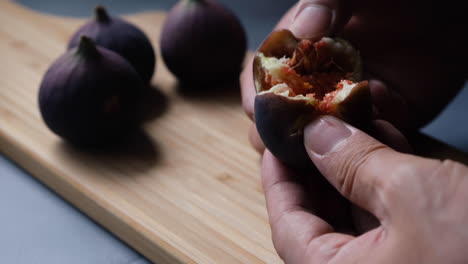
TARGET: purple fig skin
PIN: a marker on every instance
(203, 42)
(280, 123)
(89, 96)
(279, 43)
(356, 109)
(121, 37)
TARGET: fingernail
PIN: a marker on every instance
(323, 134)
(311, 21)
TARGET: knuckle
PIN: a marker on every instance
(412, 173)
(352, 165)
(453, 167)
(448, 171)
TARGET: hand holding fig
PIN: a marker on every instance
(407, 194)
(409, 83)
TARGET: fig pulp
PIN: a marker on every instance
(121, 37)
(203, 42)
(296, 81)
(89, 96)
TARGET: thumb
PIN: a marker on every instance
(356, 164)
(314, 19)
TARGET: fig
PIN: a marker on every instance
(299, 79)
(89, 96)
(203, 42)
(121, 37)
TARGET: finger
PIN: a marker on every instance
(255, 139)
(293, 227)
(248, 89)
(314, 19)
(390, 105)
(355, 163)
(363, 220)
(386, 133)
(298, 235)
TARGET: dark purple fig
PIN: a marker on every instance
(298, 80)
(203, 42)
(121, 37)
(89, 96)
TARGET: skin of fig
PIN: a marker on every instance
(279, 43)
(356, 109)
(123, 38)
(90, 100)
(280, 120)
(203, 42)
(280, 123)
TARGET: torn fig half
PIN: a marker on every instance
(297, 80)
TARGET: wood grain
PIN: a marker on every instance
(185, 189)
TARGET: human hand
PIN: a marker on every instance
(419, 202)
(413, 53)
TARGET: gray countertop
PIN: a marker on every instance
(37, 226)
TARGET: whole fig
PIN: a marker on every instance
(121, 37)
(203, 42)
(299, 79)
(89, 95)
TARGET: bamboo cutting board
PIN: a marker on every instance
(186, 189)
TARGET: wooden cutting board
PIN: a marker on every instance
(186, 189)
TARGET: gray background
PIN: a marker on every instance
(37, 226)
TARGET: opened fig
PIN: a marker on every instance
(299, 79)
(121, 37)
(203, 42)
(89, 95)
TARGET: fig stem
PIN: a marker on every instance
(87, 46)
(101, 15)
